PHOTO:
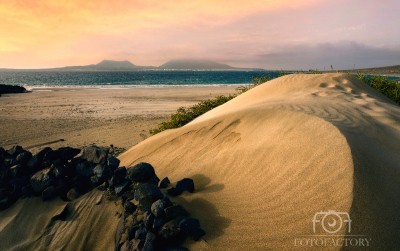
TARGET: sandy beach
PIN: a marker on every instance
(81, 117)
(268, 166)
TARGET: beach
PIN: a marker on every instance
(79, 117)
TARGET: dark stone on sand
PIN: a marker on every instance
(170, 229)
(132, 232)
(18, 170)
(175, 211)
(121, 187)
(141, 172)
(36, 161)
(27, 191)
(4, 89)
(4, 204)
(24, 157)
(164, 183)
(42, 179)
(101, 170)
(82, 184)
(185, 184)
(157, 208)
(10, 161)
(118, 175)
(146, 195)
(85, 169)
(129, 207)
(141, 232)
(159, 221)
(149, 243)
(15, 150)
(96, 180)
(191, 227)
(95, 154)
(128, 195)
(133, 245)
(103, 186)
(15, 194)
(20, 182)
(148, 219)
(49, 193)
(3, 154)
(120, 230)
(113, 163)
(172, 191)
(61, 214)
(175, 249)
(66, 153)
(3, 193)
(58, 170)
(73, 194)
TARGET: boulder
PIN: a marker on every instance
(172, 191)
(118, 176)
(128, 195)
(15, 194)
(101, 170)
(19, 182)
(164, 183)
(149, 243)
(18, 170)
(146, 195)
(141, 232)
(141, 172)
(185, 184)
(120, 230)
(132, 245)
(49, 193)
(66, 153)
(153, 180)
(191, 227)
(58, 170)
(85, 169)
(3, 193)
(157, 208)
(103, 186)
(132, 232)
(72, 194)
(120, 188)
(159, 221)
(24, 157)
(3, 154)
(113, 163)
(170, 229)
(175, 211)
(96, 180)
(148, 219)
(27, 191)
(42, 179)
(10, 161)
(15, 150)
(82, 184)
(4, 204)
(95, 154)
(129, 207)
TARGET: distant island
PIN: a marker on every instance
(111, 65)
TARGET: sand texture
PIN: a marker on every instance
(263, 165)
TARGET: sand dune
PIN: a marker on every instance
(264, 164)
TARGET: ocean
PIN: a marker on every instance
(129, 79)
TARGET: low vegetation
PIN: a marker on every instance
(385, 85)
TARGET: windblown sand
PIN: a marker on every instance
(264, 164)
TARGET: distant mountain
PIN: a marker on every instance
(195, 65)
(106, 65)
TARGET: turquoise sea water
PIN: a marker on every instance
(121, 79)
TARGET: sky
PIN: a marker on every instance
(268, 34)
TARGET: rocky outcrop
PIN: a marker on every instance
(11, 89)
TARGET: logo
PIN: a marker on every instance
(331, 221)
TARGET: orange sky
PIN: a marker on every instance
(50, 33)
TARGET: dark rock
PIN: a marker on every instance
(175, 211)
(49, 193)
(101, 170)
(61, 214)
(146, 195)
(137, 217)
(15, 150)
(172, 191)
(157, 208)
(191, 227)
(85, 169)
(95, 154)
(141, 232)
(3, 193)
(153, 180)
(132, 232)
(58, 170)
(46, 163)
(3, 167)
(35, 163)
(96, 180)
(73, 194)
(118, 176)
(185, 184)
(164, 183)
(120, 188)
(141, 172)
(24, 157)
(20, 182)
(27, 191)
(82, 184)
(128, 195)
(10, 161)
(103, 186)
(4, 204)
(170, 229)
(148, 219)
(159, 221)
(149, 243)
(3, 154)
(129, 207)
(175, 249)
(18, 170)
(11, 89)
(42, 179)
(3, 183)
(133, 245)
(113, 163)
(15, 194)
(120, 229)
(66, 153)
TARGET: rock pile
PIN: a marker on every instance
(150, 220)
(51, 173)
